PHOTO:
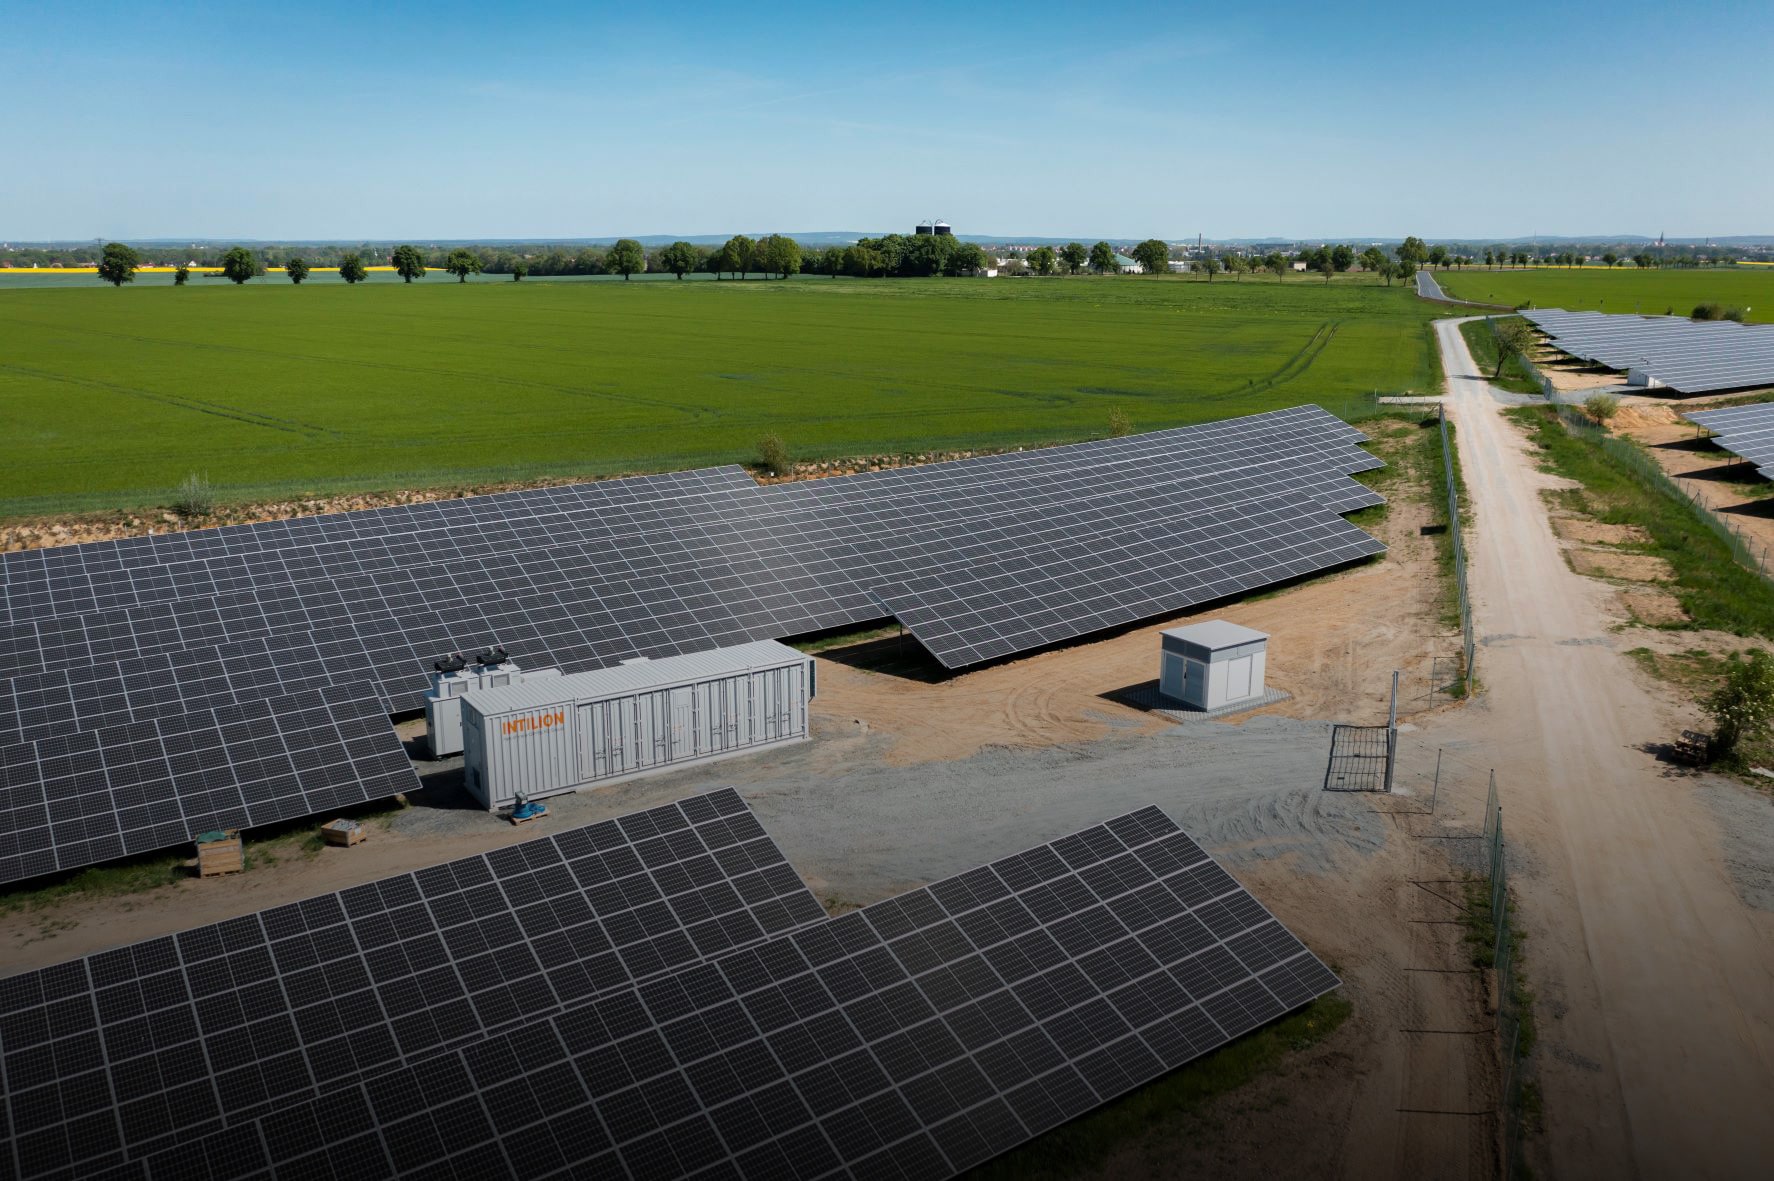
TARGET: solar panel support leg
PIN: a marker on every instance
(1392, 733)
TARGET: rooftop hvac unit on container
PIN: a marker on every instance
(1209, 666)
(456, 676)
(544, 738)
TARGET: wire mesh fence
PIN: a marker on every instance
(1455, 535)
(1509, 1014)
(1359, 758)
(1751, 554)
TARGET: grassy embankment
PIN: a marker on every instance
(1716, 589)
(110, 398)
(1482, 342)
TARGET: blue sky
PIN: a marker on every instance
(330, 120)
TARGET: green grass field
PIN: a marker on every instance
(1623, 289)
(110, 397)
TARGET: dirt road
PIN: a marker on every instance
(1655, 978)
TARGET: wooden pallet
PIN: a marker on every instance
(220, 857)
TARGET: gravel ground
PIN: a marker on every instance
(859, 828)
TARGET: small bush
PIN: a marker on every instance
(1119, 423)
(1742, 707)
(1602, 407)
(1735, 314)
(1707, 311)
(195, 497)
(773, 455)
(181, 275)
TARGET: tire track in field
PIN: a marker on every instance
(197, 405)
(694, 413)
(1293, 367)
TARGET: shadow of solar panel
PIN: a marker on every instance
(169, 1039)
(87, 796)
(916, 1037)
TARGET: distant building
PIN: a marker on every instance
(940, 228)
(1299, 266)
(1128, 266)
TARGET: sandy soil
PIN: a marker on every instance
(1727, 485)
(1583, 529)
(1654, 608)
(1601, 563)
(1653, 966)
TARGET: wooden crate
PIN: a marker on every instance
(336, 833)
(223, 856)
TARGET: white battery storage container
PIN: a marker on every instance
(543, 738)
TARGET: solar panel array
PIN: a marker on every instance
(1688, 356)
(913, 1039)
(87, 796)
(981, 558)
(134, 1051)
(1747, 431)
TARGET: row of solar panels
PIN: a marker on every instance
(1747, 431)
(653, 997)
(1689, 356)
(156, 688)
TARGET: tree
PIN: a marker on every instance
(409, 264)
(778, 255)
(966, 259)
(1102, 258)
(626, 258)
(462, 263)
(1342, 257)
(118, 264)
(679, 258)
(1742, 707)
(1209, 266)
(351, 269)
(736, 255)
(1438, 257)
(519, 269)
(1043, 261)
(1153, 255)
(1405, 269)
(1373, 259)
(1514, 336)
(1074, 256)
(181, 275)
(1277, 262)
(1235, 265)
(773, 455)
(241, 264)
(1413, 250)
(296, 269)
(1602, 407)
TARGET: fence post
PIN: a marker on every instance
(1392, 733)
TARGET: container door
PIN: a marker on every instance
(1238, 679)
(1195, 682)
(682, 703)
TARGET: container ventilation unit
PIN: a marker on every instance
(456, 676)
(1213, 665)
(543, 738)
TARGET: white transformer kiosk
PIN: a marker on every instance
(1212, 665)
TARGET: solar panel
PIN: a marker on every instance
(1747, 431)
(1689, 356)
(804, 557)
(133, 1051)
(87, 796)
(914, 1038)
